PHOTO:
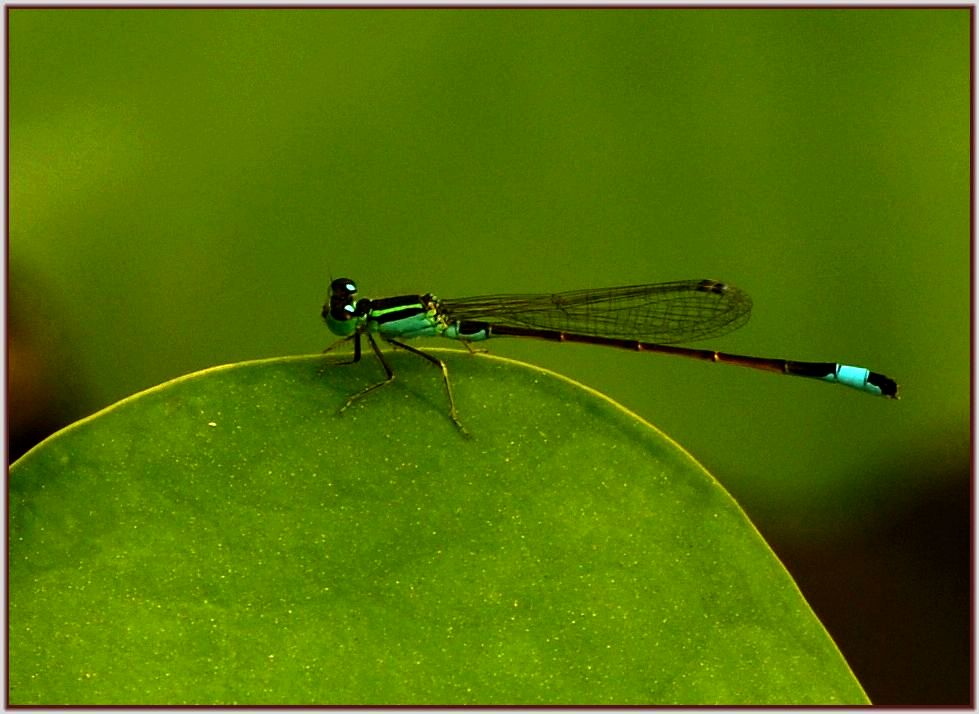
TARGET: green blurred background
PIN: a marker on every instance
(183, 183)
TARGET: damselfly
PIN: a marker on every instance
(643, 318)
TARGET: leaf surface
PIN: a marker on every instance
(228, 538)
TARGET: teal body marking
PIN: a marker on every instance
(854, 377)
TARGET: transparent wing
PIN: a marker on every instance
(682, 311)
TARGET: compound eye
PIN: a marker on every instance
(343, 287)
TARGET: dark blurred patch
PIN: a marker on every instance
(39, 398)
(896, 595)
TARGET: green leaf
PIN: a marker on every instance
(228, 538)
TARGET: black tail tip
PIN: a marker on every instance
(887, 386)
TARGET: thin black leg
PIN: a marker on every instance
(445, 377)
(356, 338)
(387, 371)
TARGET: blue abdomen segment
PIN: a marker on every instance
(851, 376)
(848, 375)
(863, 379)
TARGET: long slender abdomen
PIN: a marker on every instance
(857, 378)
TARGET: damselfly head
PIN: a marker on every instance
(343, 300)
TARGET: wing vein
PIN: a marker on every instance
(665, 313)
